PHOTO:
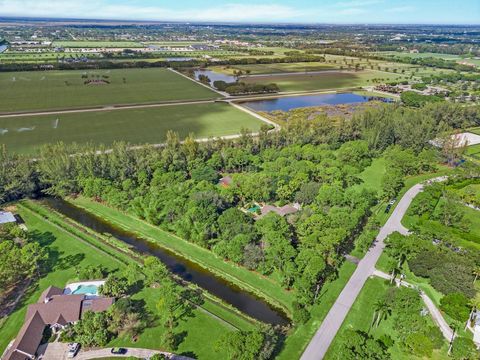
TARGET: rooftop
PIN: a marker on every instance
(53, 308)
(7, 217)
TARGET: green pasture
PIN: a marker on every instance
(275, 68)
(327, 80)
(418, 55)
(137, 126)
(43, 90)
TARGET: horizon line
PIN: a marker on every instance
(210, 22)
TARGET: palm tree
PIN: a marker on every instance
(382, 310)
(475, 304)
(476, 273)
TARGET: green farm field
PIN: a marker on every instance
(327, 80)
(419, 55)
(29, 91)
(275, 68)
(137, 126)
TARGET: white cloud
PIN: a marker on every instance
(102, 10)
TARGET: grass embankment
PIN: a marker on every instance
(138, 126)
(327, 80)
(300, 336)
(474, 151)
(38, 90)
(360, 318)
(251, 281)
(122, 252)
(68, 253)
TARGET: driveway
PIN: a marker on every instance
(324, 336)
(58, 351)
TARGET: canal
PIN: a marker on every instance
(189, 271)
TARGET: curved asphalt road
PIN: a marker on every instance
(324, 336)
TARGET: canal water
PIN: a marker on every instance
(293, 102)
(215, 76)
(242, 300)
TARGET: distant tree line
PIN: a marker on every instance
(241, 88)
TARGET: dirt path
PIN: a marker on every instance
(106, 108)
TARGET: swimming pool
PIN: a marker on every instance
(86, 290)
(89, 288)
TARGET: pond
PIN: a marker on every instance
(178, 59)
(230, 293)
(294, 102)
(215, 76)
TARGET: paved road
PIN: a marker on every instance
(326, 333)
(434, 312)
(106, 108)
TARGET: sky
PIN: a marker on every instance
(250, 11)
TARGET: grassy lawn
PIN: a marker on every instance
(300, 336)
(260, 285)
(137, 126)
(475, 130)
(474, 150)
(360, 318)
(199, 332)
(372, 175)
(327, 80)
(42, 90)
(67, 254)
(469, 240)
(275, 68)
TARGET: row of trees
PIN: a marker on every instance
(241, 88)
